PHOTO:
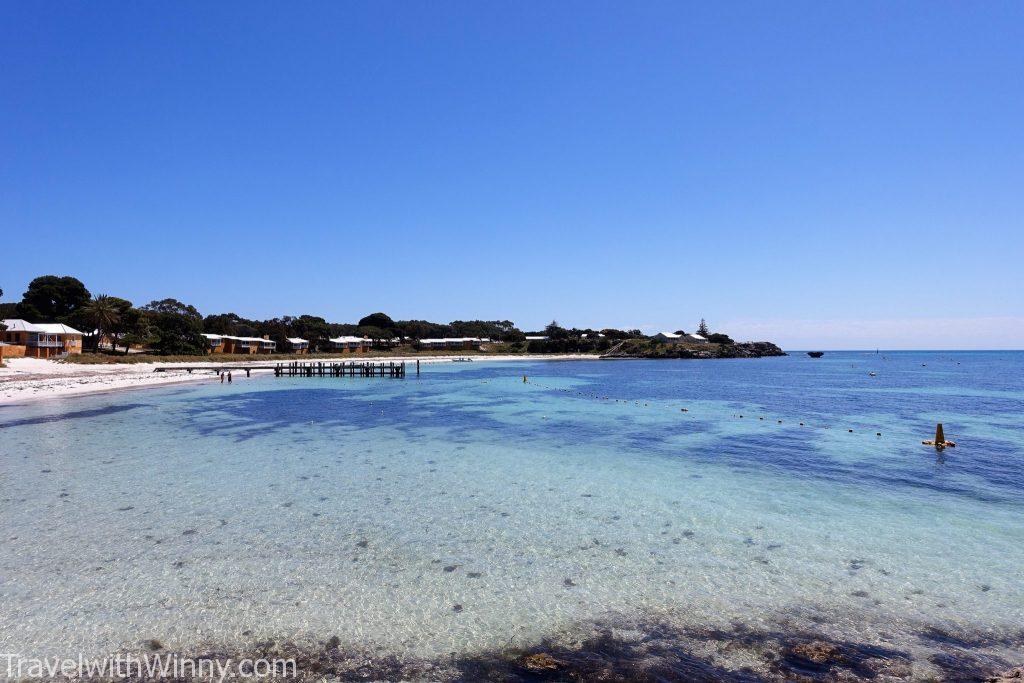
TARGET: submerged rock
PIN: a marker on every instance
(1010, 676)
(540, 662)
(817, 652)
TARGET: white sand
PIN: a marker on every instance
(29, 379)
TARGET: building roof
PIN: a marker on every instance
(297, 340)
(19, 325)
(253, 339)
(669, 335)
(347, 340)
(453, 339)
(57, 328)
(534, 337)
(696, 336)
(248, 339)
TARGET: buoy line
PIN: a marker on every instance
(645, 404)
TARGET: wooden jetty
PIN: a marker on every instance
(352, 369)
(307, 369)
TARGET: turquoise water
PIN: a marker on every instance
(465, 512)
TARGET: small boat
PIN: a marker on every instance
(815, 354)
(872, 374)
(462, 360)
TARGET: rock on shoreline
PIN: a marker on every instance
(643, 348)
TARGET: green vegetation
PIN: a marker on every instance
(649, 348)
(168, 329)
(270, 358)
(52, 298)
(174, 328)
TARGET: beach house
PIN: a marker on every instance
(459, 343)
(214, 343)
(224, 343)
(349, 344)
(250, 345)
(668, 337)
(39, 340)
(297, 345)
(695, 339)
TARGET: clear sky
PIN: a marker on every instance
(833, 174)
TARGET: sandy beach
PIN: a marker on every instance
(34, 379)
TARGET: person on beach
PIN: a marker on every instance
(229, 377)
(222, 378)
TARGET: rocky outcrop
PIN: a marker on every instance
(646, 348)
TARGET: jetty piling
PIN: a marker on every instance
(343, 369)
(314, 369)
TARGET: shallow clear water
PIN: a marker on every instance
(465, 510)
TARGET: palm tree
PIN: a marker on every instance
(103, 315)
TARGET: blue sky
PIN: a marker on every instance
(843, 174)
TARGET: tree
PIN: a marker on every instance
(702, 329)
(490, 329)
(176, 327)
(134, 329)
(311, 327)
(103, 314)
(555, 331)
(51, 298)
(374, 333)
(222, 323)
(423, 329)
(277, 329)
(380, 320)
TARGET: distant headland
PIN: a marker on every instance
(650, 348)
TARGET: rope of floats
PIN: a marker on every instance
(939, 442)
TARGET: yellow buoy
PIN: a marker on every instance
(940, 439)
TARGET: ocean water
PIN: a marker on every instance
(466, 515)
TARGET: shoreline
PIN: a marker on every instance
(28, 380)
(646, 646)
